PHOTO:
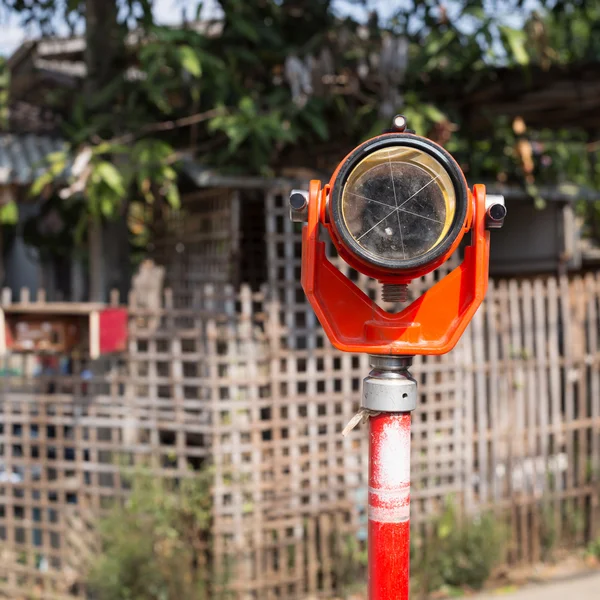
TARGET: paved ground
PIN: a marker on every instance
(583, 588)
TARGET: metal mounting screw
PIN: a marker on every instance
(399, 125)
(299, 206)
(495, 211)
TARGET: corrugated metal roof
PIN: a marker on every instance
(22, 156)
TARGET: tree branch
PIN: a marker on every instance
(168, 125)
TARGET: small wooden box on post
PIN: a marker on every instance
(61, 327)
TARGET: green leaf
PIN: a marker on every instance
(173, 198)
(40, 183)
(247, 106)
(57, 167)
(190, 60)
(111, 176)
(534, 192)
(246, 30)
(9, 213)
(108, 148)
(152, 152)
(515, 42)
(59, 156)
(169, 173)
(433, 113)
(156, 95)
(318, 124)
(107, 207)
(446, 523)
(108, 93)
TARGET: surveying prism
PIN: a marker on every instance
(396, 208)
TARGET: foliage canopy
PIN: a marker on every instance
(253, 91)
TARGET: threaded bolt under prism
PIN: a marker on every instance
(395, 292)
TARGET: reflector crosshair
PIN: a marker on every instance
(399, 202)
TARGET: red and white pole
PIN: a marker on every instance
(389, 506)
(389, 394)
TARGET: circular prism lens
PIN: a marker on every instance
(398, 203)
(401, 205)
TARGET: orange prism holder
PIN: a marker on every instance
(432, 324)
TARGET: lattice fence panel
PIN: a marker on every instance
(199, 244)
(532, 411)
